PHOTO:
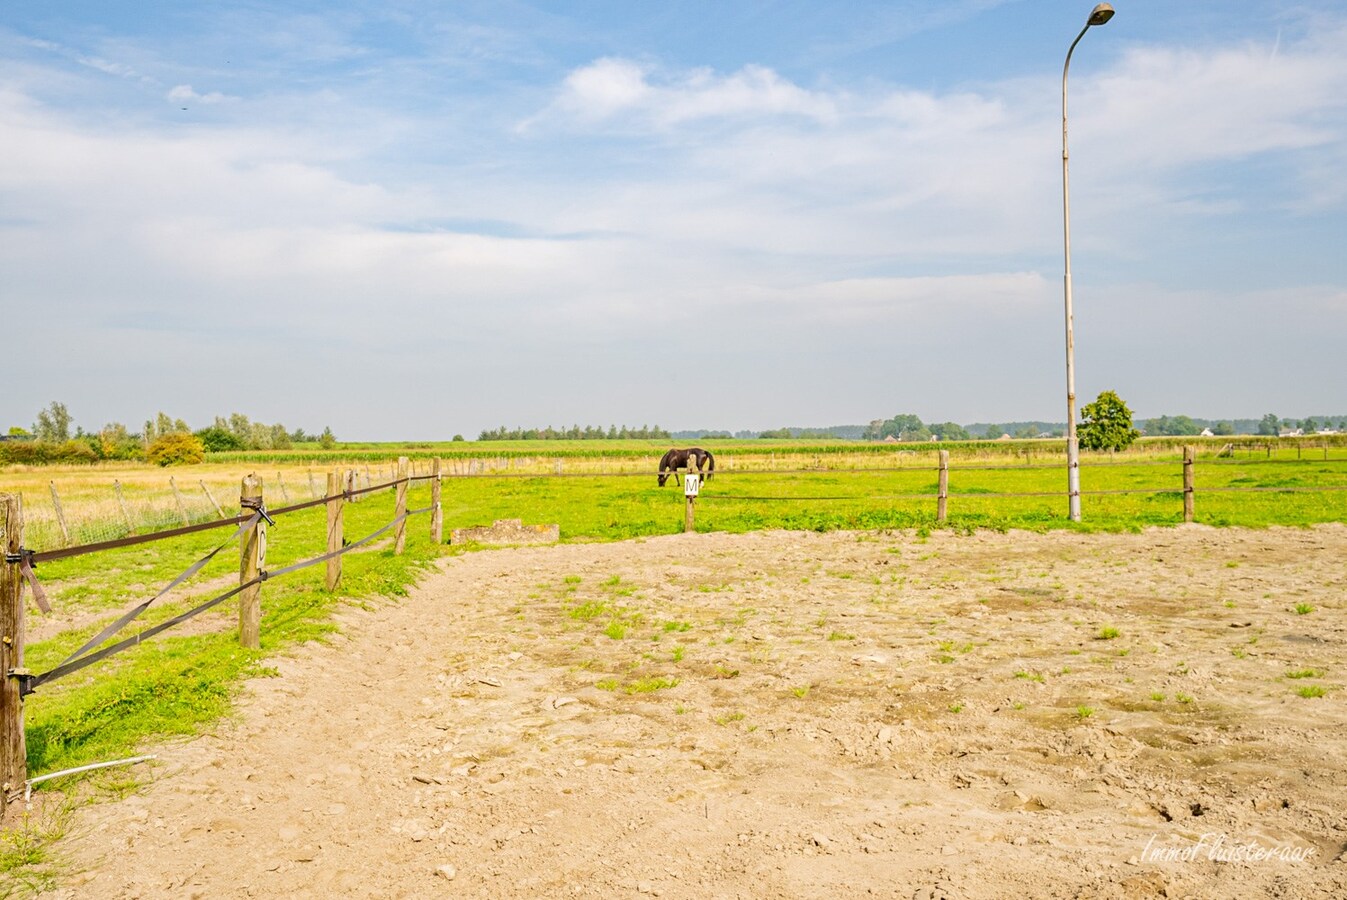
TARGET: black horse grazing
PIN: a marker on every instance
(686, 459)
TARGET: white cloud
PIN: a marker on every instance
(183, 93)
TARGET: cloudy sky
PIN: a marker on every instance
(407, 219)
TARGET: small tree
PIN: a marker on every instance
(1106, 424)
(177, 448)
(328, 440)
(53, 424)
(1269, 425)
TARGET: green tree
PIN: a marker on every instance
(216, 439)
(1223, 429)
(328, 440)
(1309, 426)
(950, 431)
(53, 424)
(1106, 424)
(1269, 425)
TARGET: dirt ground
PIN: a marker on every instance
(783, 715)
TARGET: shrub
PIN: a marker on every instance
(176, 449)
(216, 439)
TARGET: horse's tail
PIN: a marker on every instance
(710, 465)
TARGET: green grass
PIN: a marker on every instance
(1108, 633)
(180, 683)
(1304, 673)
(1311, 690)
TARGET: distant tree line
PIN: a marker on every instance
(55, 438)
(575, 433)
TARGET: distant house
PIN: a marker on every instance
(1004, 437)
(1207, 432)
(1291, 432)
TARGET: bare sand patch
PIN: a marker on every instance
(982, 716)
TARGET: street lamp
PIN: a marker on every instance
(1098, 16)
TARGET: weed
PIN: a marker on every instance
(802, 691)
(650, 685)
(1183, 698)
(841, 636)
(1107, 633)
(678, 653)
(616, 630)
(1304, 609)
(1310, 690)
(729, 717)
(1030, 676)
(1157, 697)
(1084, 712)
(1304, 673)
(607, 684)
(956, 707)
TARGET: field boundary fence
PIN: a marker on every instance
(249, 532)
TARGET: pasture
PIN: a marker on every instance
(654, 636)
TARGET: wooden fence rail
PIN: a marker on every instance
(341, 486)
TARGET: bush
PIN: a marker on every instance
(216, 439)
(177, 449)
(37, 453)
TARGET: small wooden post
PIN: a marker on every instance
(436, 512)
(126, 516)
(942, 497)
(1187, 484)
(353, 483)
(285, 495)
(691, 480)
(313, 489)
(13, 748)
(400, 532)
(335, 502)
(211, 497)
(177, 497)
(252, 557)
(60, 514)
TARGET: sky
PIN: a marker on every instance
(407, 219)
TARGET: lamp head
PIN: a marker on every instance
(1100, 14)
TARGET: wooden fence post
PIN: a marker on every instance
(252, 557)
(400, 533)
(313, 489)
(280, 483)
(1187, 484)
(130, 529)
(60, 513)
(177, 497)
(335, 502)
(210, 497)
(690, 498)
(13, 747)
(942, 498)
(436, 513)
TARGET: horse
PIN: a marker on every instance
(674, 460)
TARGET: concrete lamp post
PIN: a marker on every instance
(1098, 16)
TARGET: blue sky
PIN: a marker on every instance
(414, 219)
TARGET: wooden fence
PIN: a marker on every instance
(252, 522)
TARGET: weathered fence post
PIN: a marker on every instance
(211, 497)
(942, 497)
(126, 516)
(285, 495)
(400, 532)
(313, 489)
(13, 748)
(252, 557)
(335, 501)
(1187, 484)
(177, 497)
(60, 514)
(353, 484)
(436, 513)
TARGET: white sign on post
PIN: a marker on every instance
(691, 482)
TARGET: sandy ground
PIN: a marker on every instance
(853, 715)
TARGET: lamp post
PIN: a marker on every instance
(1098, 16)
